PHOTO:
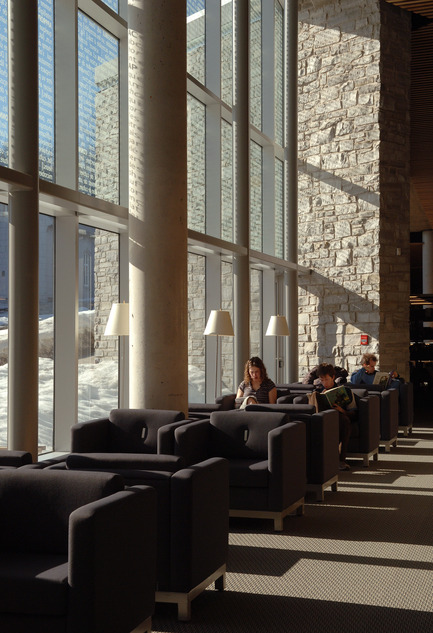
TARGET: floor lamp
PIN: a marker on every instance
(277, 326)
(118, 325)
(218, 324)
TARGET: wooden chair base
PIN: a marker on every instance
(183, 600)
(406, 430)
(388, 443)
(365, 456)
(319, 489)
(277, 517)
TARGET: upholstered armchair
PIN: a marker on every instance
(14, 459)
(77, 553)
(321, 442)
(201, 410)
(266, 455)
(389, 415)
(128, 439)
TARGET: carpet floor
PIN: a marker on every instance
(360, 561)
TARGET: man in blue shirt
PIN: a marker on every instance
(365, 375)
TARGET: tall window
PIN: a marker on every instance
(46, 332)
(4, 84)
(98, 354)
(196, 165)
(196, 326)
(256, 197)
(196, 40)
(256, 63)
(227, 51)
(98, 111)
(46, 89)
(256, 312)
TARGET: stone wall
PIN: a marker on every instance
(345, 177)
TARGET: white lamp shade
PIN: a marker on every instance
(277, 326)
(118, 321)
(219, 323)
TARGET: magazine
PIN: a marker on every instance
(383, 378)
(341, 396)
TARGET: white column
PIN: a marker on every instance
(158, 204)
(23, 229)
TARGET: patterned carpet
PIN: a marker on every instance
(359, 562)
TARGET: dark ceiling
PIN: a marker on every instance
(421, 112)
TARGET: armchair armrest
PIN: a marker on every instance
(14, 458)
(192, 441)
(91, 436)
(116, 461)
(166, 443)
(287, 464)
(112, 561)
(200, 518)
(369, 423)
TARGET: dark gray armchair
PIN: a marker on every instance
(389, 415)
(77, 553)
(266, 455)
(127, 439)
(321, 442)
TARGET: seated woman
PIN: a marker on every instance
(256, 386)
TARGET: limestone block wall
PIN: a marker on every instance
(345, 177)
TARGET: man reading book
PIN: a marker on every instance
(365, 375)
(346, 409)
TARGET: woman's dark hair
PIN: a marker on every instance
(254, 361)
(325, 369)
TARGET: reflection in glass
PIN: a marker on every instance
(113, 4)
(256, 196)
(4, 84)
(279, 73)
(227, 51)
(279, 208)
(98, 357)
(4, 315)
(98, 111)
(256, 280)
(46, 89)
(196, 326)
(46, 333)
(226, 181)
(196, 39)
(256, 63)
(196, 164)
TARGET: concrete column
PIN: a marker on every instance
(241, 184)
(158, 204)
(23, 229)
(427, 267)
(291, 165)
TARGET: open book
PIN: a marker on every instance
(341, 395)
(383, 378)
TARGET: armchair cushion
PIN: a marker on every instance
(122, 461)
(249, 473)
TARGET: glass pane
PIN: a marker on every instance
(196, 326)
(226, 181)
(113, 4)
(4, 84)
(4, 308)
(46, 89)
(279, 73)
(227, 342)
(196, 165)
(256, 197)
(46, 333)
(256, 63)
(98, 111)
(256, 312)
(279, 208)
(98, 359)
(196, 39)
(227, 51)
